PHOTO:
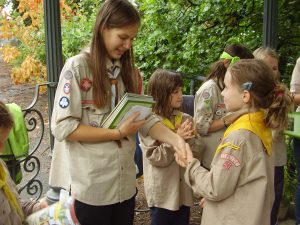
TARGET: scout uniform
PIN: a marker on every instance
(163, 177)
(239, 188)
(209, 106)
(102, 173)
(12, 209)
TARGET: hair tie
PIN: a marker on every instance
(247, 85)
(279, 92)
(234, 59)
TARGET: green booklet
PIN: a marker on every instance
(129, 104)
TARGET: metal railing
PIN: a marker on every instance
(34, 122)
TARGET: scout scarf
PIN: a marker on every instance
(9, 194)
(169, 124)
(255, 123)
(234, 59)
(113, 74)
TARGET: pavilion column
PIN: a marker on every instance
(53, 51)
(54, 65)
(270, 24)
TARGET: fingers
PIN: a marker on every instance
(133, 117)
(202, 202)
(131, 125)
(179, 161)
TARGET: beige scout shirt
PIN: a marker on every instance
(209, 106)
(279, 149)
(295, 81)
(8, 215)
(163, 177)
(239, 188)
(101, 172)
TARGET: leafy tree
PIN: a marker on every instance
(188, 35)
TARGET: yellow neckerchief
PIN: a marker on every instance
(169, 124)
(8, 193)
(255, 123)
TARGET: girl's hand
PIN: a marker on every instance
(202, 202)
(131, 125)
(185, 130)
(183, 159)
(181, 162)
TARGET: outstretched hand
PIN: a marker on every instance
(130, 126)
(180, 158)
(185, 130)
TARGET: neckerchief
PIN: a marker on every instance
(8, 193)
(169, 124)
(255, 123)
(113, 74)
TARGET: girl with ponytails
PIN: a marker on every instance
(239, 188)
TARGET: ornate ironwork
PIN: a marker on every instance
(31, 164)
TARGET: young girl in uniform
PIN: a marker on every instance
(271, 58)
(209, 106)
(101, 161)
(168, 196)
(13, 209)
(239, 188)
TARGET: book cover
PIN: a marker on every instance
(59, 213)
(129, 104)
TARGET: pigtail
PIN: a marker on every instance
(277, 112)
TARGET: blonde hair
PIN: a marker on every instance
(262, 52)
(265, 92)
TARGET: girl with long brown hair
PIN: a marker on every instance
(100, 160)
(168, 197)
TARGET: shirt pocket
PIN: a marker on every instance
(94, 116)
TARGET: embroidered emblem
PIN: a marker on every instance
(206, 95)
(219, 112)
(68, 75)
(64, 102)
(227, 165)
(94, 124)
(207, 103)
(85, 84)
(220, 109)
(231, 158)
(67, 88)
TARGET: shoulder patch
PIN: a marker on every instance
(231, 158)
(64, 102)
(68, 75)
(206, 95)
(67, 88)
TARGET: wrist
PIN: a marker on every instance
(120, 133)
(226, 123)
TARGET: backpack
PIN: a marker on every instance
(17, 145)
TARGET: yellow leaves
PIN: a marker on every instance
(9, 53)
(31, 71)
(29, 5)
(6, 29)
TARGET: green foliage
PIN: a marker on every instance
(290, 181)
(76, 34)
(189, 35)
